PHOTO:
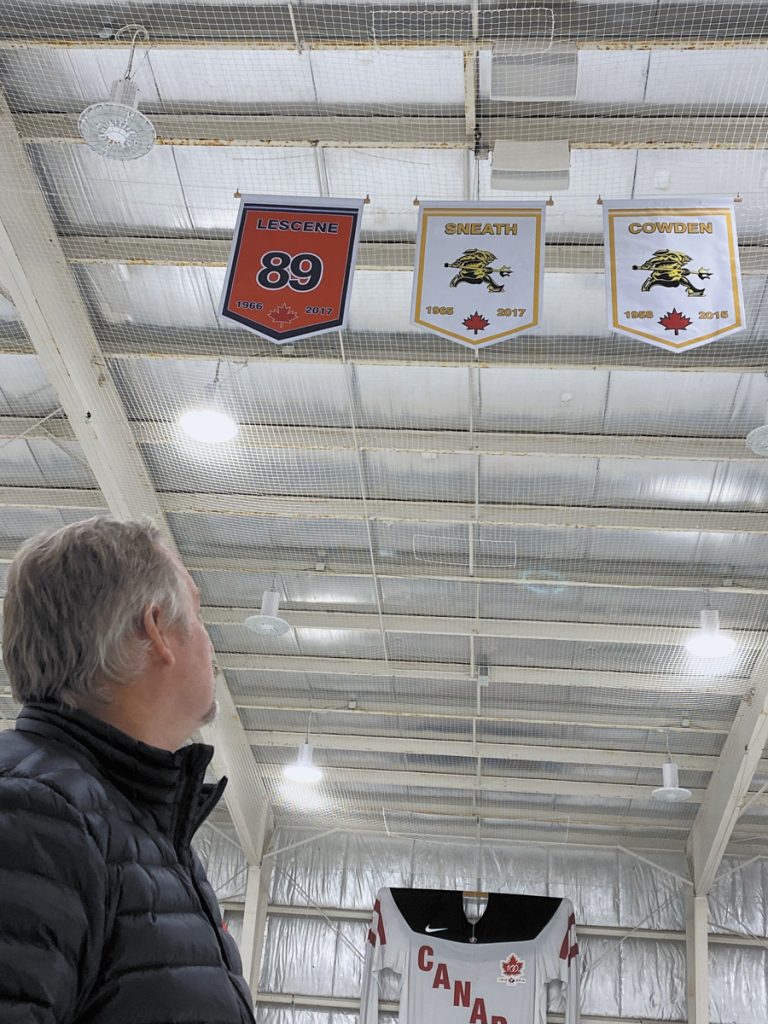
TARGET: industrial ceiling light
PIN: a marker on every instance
(116, 129)
(303, 769)
(671, 791)
(757, 439)
(268, 622)
(209, 424)
(709, 641)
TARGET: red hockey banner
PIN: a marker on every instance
(290, 269)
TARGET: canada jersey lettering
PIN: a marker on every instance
(522, 944)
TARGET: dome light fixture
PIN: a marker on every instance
(208, 425)
(671, 792)
(709, 641)
(303, 768)
(268, 622)
(116, 129)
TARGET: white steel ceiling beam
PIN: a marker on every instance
(514, 629)
(670, 578)
(362, 706)
(419, 132)
(506, 750)
(641, 520)
(438, 442)
(487, 784)
(35, 273)
(672, 684)
(379, 348)
(728, 791)
(560, 257)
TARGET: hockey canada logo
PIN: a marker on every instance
(513, 970)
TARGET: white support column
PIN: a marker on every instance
(697, 957)
(255, 913)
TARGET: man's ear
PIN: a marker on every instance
(156, 632)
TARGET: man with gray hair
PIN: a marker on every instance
(106, 915)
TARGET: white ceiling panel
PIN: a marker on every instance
(594, 173)
(381, 301)
(25, 387)
(741, 486)
(702, 408)
(89, 193)
(655, 483)
(393, 179)
(381, 77)
(210, 175)
(230, 79)
(412, 397)
(7, 310)
(533, 481)
(263, 391)
(604, 76)
(408, 475)
(155, 296)
(716, 173)
(43, 78)
(542, 400)
(210, 469)
(711, 76)
(574, 305)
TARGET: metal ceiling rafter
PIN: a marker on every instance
(513, 629)
(419, 132)
(135, 250)
(52, 310)
(506, 750)
(642, 520)
(450, 441)
(672, 579)
(434, 712)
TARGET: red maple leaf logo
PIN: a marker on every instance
(476, 322)
(675, 321)
(283, 314)
(512, 967)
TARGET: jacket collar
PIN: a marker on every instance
(168, 785)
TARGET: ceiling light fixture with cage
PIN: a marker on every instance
(116, 129)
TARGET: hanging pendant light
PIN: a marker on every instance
(209, 423)
(709, 641)
(116, 129)
(268, 622)
(303, 768)
(671, 791)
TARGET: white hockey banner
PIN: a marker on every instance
(479, 269)
(672, 271)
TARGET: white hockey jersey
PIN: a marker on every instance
(521, 944)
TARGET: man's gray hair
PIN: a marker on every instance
(74, 608)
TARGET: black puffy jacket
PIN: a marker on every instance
(106, 916)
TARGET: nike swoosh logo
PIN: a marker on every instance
(429, 929)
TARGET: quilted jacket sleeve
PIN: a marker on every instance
(52, 904)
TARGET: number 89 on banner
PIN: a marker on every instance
(291, 264)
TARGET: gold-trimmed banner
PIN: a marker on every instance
(479, 270)
(672, 271)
